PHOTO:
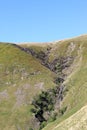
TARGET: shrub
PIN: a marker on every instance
(30, 129)
(45, 103)
(63, 110)
(53, 117)
(43, 125)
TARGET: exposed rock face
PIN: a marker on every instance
(58, 65)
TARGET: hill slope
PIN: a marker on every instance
(26, 70)
(21, 78)
(76, 80)
(77, 121)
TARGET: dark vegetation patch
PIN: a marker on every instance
(44, 105)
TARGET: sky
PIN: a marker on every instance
(42, 20)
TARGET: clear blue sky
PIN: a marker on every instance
(42, 20)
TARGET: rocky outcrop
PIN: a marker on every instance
(58, 66)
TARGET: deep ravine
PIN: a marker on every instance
(53, 97)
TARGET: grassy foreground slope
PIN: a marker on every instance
(77, 121)
(75, 82)
(21, 78)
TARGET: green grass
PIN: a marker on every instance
(77, 121)
(37, 47)
(22, 77)
(19, 72)
(76, 83)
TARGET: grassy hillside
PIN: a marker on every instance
(21, 78)
(77, 121)
(28, 69)
(76, 81)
